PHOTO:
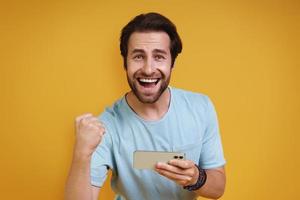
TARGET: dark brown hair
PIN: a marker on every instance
(151, 22)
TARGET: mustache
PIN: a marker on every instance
(139, 74)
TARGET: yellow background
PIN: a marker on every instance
(59, 59)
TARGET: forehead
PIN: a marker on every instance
(149, 40)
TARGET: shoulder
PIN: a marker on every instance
(112, 114)
(192, 98)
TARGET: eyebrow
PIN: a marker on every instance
(160, 51)
(155, 51)
(137, 51)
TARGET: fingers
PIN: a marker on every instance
(79, 118)
(184, 164)
(175, 169)
(86, 119)
(179, 178)
(89, 121)
(180, 171)
(89, 133)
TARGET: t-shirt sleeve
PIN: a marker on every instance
(101, 160)
(212, 151)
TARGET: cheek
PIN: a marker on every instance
(164, 68)
(131, 71)
(133, 65)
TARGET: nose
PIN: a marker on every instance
(148, 67)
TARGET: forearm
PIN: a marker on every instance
(214, 186)
(78, 186)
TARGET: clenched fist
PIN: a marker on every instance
(89, 132)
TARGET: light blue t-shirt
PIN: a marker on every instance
(189, 126)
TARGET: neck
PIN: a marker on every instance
(150, 111)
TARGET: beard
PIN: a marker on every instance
(148, 98)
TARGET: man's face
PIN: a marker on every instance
(148, 65)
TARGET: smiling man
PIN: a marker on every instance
(148, 77)
(151, 117)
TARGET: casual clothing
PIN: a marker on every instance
(190, 126)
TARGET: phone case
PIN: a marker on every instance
(148, 159)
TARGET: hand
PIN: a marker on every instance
(89, 132)
(183, 172)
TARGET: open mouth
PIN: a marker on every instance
(148, 82)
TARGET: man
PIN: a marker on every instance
(151, 117)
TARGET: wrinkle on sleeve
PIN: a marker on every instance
(212, 151)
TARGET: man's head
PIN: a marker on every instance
(151, 22)
(149, 46)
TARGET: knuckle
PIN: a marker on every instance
(163, 172)
(99, 131)
(78, 118)
(190, 173)
(102, 130)
(183, 182)
(98, 123)
(191, 163)
(93, 118)
(85, 121)
(87, 114)
(90, 125)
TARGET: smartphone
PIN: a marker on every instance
(148, 159)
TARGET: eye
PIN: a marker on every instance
(159, 57)
(138, 57)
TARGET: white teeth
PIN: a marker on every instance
(148, 80)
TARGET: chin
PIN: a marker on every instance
(147, 100)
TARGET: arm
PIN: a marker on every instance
(184, 172)
(78, 185)
(89, 133)
(215, 184)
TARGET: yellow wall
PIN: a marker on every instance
(59, 59)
